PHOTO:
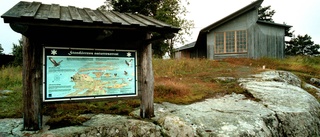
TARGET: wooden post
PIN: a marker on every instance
(146, 81)
(31, 85)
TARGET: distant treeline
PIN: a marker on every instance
(6, 60)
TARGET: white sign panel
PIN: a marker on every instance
(76, 74)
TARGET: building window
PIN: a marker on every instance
(241, 41)
(231, 42)
(219, 42)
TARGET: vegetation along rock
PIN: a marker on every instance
(315, 81)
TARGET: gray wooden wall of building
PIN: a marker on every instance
(243, 22)
(268, 41)
(263, 40)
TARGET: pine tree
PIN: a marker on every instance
(265, 13)
(17, 53)
(302, 45)
(1, 50)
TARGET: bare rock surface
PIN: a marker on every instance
(297, 111)
(8, 125)
(281, 108)
(231, 115)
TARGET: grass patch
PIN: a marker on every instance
(177, 81)
(11, 102)
(66, 120)
(304, 67)
(10, 78)
(312, 91)
(11, 105)
(190, 80)
(68, 114)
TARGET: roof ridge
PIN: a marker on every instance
(273, 23)
(233, 15)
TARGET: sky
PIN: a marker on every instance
(302, 15)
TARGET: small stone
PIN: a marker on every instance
(5, 91)
(315, 81)
(226, 79)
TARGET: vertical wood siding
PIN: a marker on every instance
(269, 41)
(263, 40)
(244, 22)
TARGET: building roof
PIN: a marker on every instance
(241, 11)
(36, 13)
(187, 46)
(202, 33)
(273, 24)
(254, 5)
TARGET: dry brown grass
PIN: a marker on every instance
(190, 80)
(186, 81)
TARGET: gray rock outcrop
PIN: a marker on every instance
(297, 111)
(281, 108)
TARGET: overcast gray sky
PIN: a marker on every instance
(302, 15)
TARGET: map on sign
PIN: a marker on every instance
(78, 74)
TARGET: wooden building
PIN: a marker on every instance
(6, 59)
(189, 51)
(44, 25)
(184, 51)
(239, 35)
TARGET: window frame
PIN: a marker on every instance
(234, 43)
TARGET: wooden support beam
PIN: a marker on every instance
(146, 81)
(31, 85)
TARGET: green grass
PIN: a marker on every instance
(10, 78)
(177, 81)
(11, 103)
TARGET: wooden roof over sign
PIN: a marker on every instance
(38, 14)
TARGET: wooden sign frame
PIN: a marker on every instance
(87, 73)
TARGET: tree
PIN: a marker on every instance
(145, 7)
(288, 31)
(169, 11)
(1, 50)
(265, 13)
(302, 45)
(17, 53)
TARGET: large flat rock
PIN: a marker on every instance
(298, 112)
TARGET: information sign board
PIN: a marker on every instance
(77, 74)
